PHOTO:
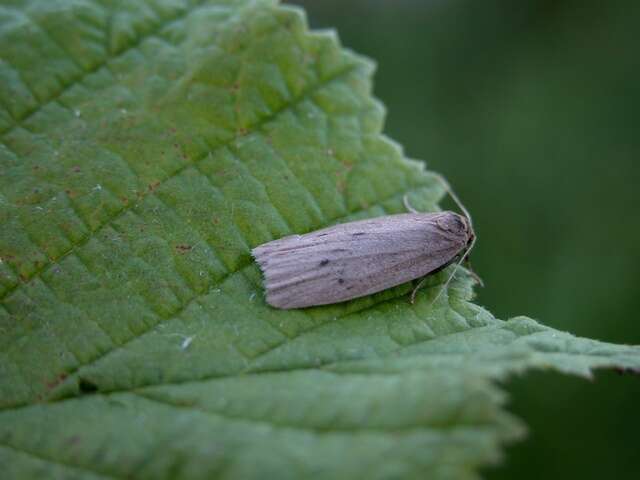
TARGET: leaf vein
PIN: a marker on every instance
(79, 78)
(334, 429)
(60, 463)
(331, 78)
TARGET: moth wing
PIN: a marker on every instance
(354, 259)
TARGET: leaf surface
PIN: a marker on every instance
(146, 148)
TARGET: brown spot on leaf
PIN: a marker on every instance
(154, 186)
(56, 381)
(183, 248)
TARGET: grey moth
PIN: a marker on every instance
(359, 258)
(355, 259)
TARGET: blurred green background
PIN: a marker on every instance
(531, 109)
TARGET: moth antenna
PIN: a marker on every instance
(446, 284)
(464, 257)
(415, 290)
(407, 205)
(466, 213)
(455, 270)
(455, 198)
(452, 194)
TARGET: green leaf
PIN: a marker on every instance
(146, 148)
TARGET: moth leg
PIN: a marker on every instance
(407, 205)
(474, 275)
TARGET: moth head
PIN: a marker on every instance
(465, 231)
(468, 228)
(457, 225)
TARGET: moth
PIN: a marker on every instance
(355, 259)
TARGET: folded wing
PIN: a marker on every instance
(355, 259)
